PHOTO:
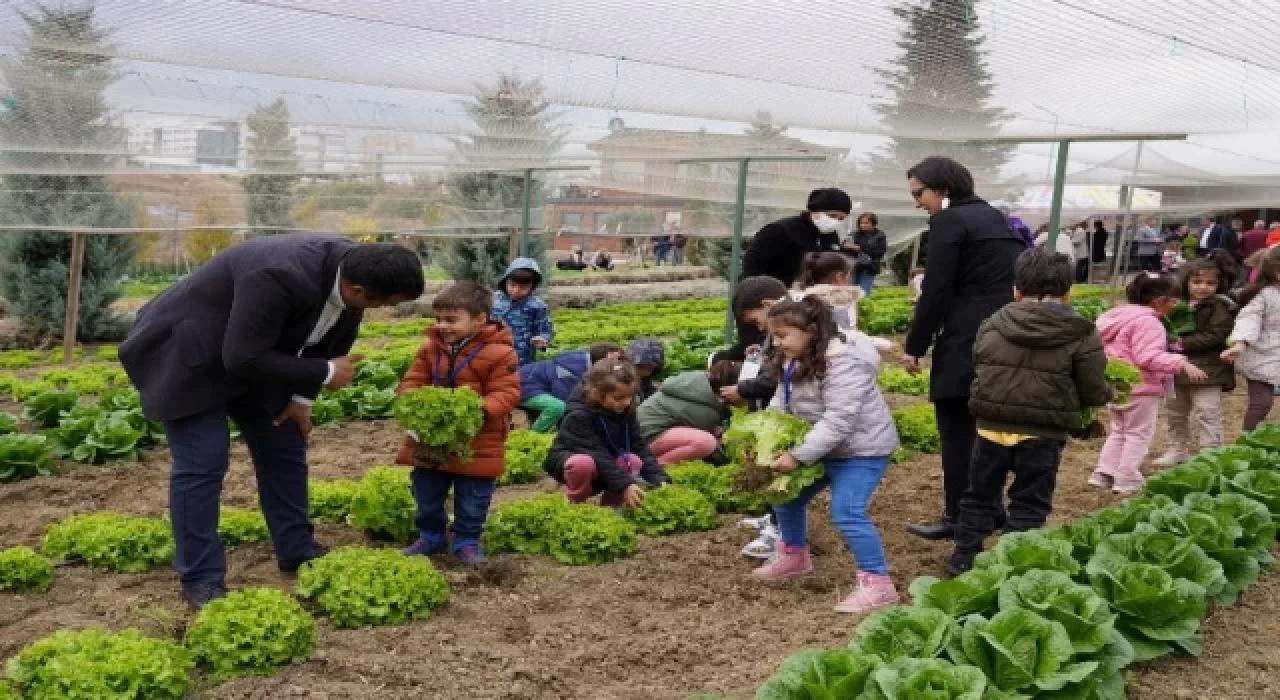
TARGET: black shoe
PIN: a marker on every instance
(960, 562)
(290, 566)
(943, 529)
(200, 594)
(718, 458)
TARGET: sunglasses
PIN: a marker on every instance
(915, 194)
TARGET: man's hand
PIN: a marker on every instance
(344, 370)
(539, 342)
(912, 364)
(299, 414)
(633, 497)
(785, 462)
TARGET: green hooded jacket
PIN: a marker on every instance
(685, 400)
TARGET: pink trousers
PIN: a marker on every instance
(682, 445)
(580, 477)
(1132, 428)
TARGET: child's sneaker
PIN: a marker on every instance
(763, 546)
(427, 543)
(873, 591)
(759, 523)
(1100, 480)
(787, 562)
(470, 554)
(1122, 488)
(1172, 458)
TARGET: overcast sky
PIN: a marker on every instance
(1061, 66)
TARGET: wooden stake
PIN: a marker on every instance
(76, 271)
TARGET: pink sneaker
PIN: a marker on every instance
(873, 591)
(1100, 480)
(787, 562)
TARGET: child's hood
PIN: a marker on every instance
(858, 346)
(693, 387)
(521, 264)
(833, 295)
(1113, 322)
(1040, 324)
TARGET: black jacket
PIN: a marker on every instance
(1037, 364)
(874, 245)
(238, 323)
(779, 248)
(968, 276)
(603, 436)
(1215, 319)
(1220, 236)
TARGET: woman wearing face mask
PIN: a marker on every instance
(779, 248)
(968, 276)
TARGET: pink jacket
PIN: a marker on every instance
(1134, 333)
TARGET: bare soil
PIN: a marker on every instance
(681, 617)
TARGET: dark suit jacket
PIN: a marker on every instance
(237, 324)
(1221, 236)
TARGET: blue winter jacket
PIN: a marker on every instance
(528, 317)
(556, 376)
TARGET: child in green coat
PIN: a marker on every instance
(683, 420)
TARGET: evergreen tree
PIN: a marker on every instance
(57, 110)
(272, 158)
(940, 85)
(514, 128)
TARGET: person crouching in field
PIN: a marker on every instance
(1037, 363)
(545, 385)
(599, 448)
(683, 421)
(464, 347)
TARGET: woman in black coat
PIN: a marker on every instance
(968, 276)
(869, 244)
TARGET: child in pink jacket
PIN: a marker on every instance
(1133, 332)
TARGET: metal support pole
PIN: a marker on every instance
(915, 255)
(524, 217)
(735, 249)
(1059, 183)
(75, 271)
(1122, 257)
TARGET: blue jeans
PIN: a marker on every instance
(471, 496)
(866, 280)
(200, 447)
(852, 481)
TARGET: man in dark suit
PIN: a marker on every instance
(1216, 236)
(253, 335)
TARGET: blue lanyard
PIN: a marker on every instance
(788, 372)
(613, 447)
(452, 377)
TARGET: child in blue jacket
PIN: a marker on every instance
(545, 385)
(516, 304)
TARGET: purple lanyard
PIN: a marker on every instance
(626, 439)
(788, 372)
(452, 377)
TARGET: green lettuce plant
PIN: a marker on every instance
(896, 380)
(45, 409)
(93, 664)
(112, 437)
(383, 504)
(9, 424)
(1157, 612)
(252, 631)
(918, 428)
(237, 526)
(376, 373)
(904, 632)
(523, 526)
(717, 484)
(587, 534)
(1020, 652)
(524, 453)
(973, 592)
(1220, 535)
(1025, 551)
(932, 679)
(331, 500)
(326, 411)
(444, 421)
(23, 456)
(1179, 556)
(1261, 486)
(755, 440)
(672, 509)
(1085, 616)
(23, 570)
(1264, 437)
(366, 402)
(358, 586)
(112, 541)
(820, 675)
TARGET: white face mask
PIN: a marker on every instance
(827, 224)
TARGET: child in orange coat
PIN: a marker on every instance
(463, 348)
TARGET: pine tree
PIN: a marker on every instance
(271, 155)
(941, 86)
(515, 129)
(57, 109)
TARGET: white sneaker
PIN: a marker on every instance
(764, 546)
(759, 523)
(1172, 458)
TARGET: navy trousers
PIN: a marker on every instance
(200, 447)
(471, 497)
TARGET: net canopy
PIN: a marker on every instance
(381, 116)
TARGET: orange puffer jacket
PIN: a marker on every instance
(491, 373)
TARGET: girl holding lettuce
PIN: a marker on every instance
(829, 379)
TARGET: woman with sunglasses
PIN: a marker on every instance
(968, 276)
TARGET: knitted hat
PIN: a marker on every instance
(646, 351)
(830, 199)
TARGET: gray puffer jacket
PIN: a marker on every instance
(849, 414)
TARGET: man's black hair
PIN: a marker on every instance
(384, 270)
(1042, 273)
(944, 176)
(752, 292)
